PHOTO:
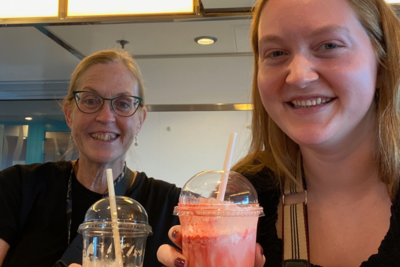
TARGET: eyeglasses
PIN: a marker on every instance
(89, 102)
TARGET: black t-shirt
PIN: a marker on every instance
(82, 200)
(33, 217)
(268, 195)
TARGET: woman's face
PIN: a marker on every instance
(105, 137)
(317, 71)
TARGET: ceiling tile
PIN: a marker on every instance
(166, 38)
(27, 54)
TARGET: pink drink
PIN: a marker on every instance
(218, 233)
(215, 240)
(220, 251)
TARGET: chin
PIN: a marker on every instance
(312, 140)
(104, 159)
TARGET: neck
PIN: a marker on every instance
(92, 175)
(343, 175)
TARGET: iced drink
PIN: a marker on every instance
(218, 233)
(98, 239)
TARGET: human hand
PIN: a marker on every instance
(172, 257)
(75, 265)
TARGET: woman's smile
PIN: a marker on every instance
(104, 136)
(312, 102)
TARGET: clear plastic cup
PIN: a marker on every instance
(98, 240)
(218, 233)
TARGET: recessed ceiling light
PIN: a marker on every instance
(28, 118)
(205, 40)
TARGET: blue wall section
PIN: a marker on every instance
(36, 134)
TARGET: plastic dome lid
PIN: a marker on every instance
(199, 196)
(132, 217)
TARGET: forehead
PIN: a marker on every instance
(108, 79)
(285, 16)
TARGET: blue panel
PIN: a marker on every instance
(36, 135)
(34, 148)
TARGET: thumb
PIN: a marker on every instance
(260, 258)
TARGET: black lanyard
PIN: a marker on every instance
(69, 197)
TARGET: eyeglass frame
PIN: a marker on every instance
(104, 100)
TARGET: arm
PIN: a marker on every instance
(171, 257)
(4, 246)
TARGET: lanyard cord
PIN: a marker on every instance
(69, 197)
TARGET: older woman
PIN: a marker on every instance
(42, 205)
(325, 122)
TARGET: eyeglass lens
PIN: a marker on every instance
(123, 105)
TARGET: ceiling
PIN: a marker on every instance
(36, 61)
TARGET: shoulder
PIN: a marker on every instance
(267, 190)
(37, 168)
(144, 185)
(264, 182)
(389, 250)
(34, 173)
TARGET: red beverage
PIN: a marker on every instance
(211, 240)
(235, 250)
(218, 233)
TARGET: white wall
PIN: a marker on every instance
(196, 142)
(202, 80)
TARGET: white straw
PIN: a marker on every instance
(227, 166)
(114, 217)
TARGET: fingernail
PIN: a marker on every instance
(174, 233)
(179, 262)
(262, 251)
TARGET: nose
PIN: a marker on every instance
(106, 114)
(301, 72)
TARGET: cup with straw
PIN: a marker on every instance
(218, 212)
(115, 231)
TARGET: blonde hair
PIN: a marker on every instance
(272, 148)
(105, 57)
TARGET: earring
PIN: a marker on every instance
(136, 144)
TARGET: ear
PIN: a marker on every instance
(68, 114)
(142, 118)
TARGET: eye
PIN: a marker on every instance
(275, 54)
(328, 46)
(91, 101)
(123, 103)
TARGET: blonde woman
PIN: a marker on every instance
(326, 113)
(42, 205)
